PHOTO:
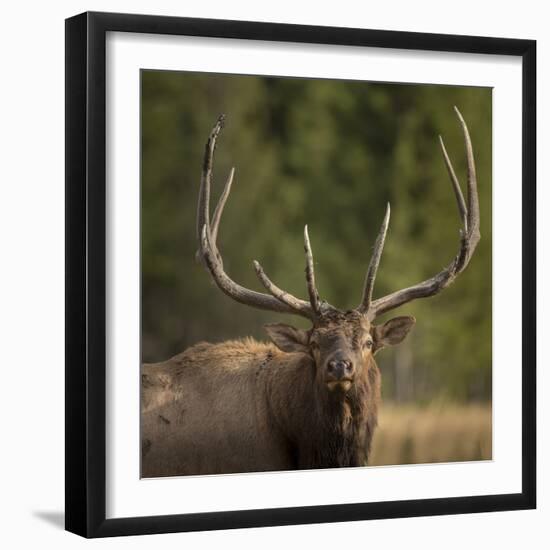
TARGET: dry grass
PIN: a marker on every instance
(409, 434)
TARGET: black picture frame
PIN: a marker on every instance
(86, 283)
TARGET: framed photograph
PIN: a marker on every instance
(300, 274)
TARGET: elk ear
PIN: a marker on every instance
(392, 332)
(288, 338)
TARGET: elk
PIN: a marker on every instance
(310, 398)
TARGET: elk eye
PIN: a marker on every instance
(368, 343)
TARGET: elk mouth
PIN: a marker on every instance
(342, 385)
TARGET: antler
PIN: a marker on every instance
(283, 302)
(374, 263)
(469, 237)
(277, 299)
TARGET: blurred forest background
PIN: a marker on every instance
(330, 154)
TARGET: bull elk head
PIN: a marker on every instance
(341, 343)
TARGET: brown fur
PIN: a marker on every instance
(246, 406)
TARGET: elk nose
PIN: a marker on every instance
(339, 369)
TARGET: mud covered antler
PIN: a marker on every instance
(283, 302)
(207, 232)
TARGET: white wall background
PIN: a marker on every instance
(32, 273)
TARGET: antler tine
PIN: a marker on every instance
(468, 241)
(456, 185)
(310, 275)
(234, 290)
(374, 263)
(203, 208)
(473, 199)
(281, 295)
(208, 250)
(220, 206)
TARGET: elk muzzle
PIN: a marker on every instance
(339, 374)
